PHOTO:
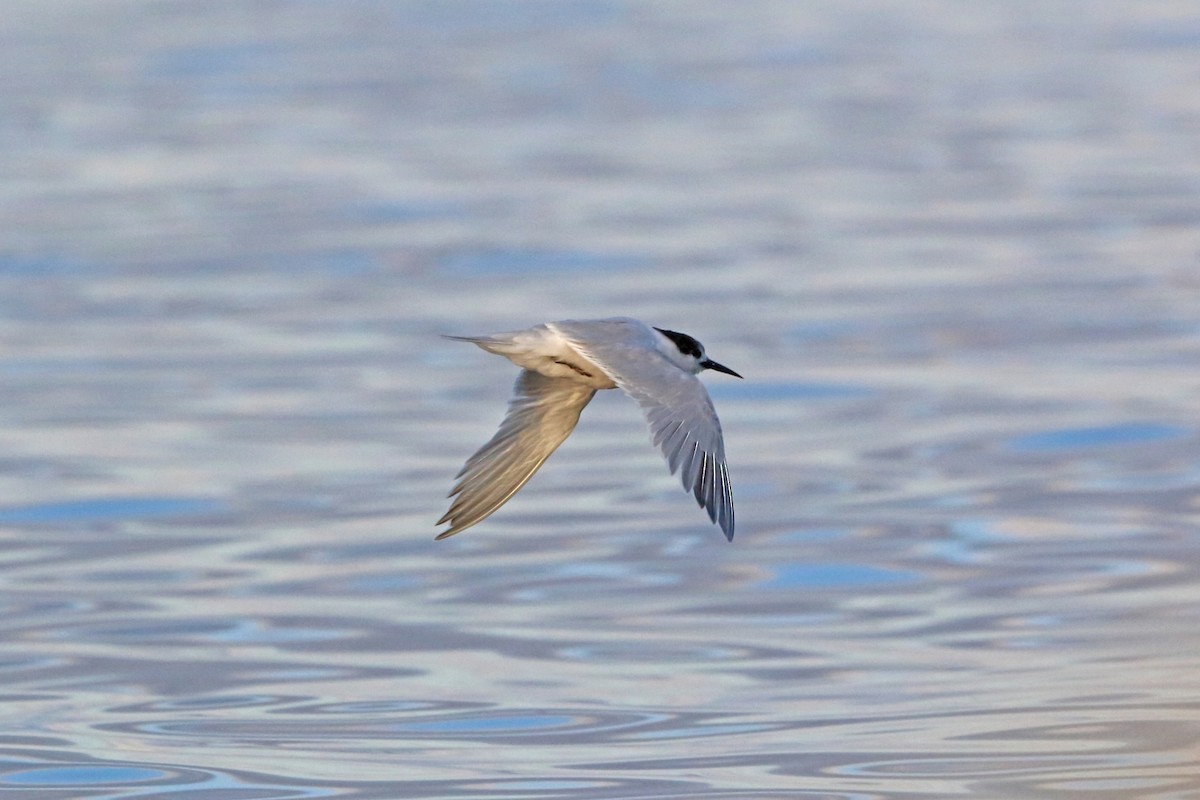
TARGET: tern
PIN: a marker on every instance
(563, 365)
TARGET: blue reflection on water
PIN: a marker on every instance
(83, 776)
(1100, 436)
(110, 508)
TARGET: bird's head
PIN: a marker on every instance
(688, 353)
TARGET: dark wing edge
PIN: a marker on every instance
(702, 470)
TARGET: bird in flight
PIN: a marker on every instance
(563, 364)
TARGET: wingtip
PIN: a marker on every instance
(457, 525)
(451, 531)
(724, 521)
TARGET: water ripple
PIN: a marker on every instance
(633, 652)
(511, 725)
(118, 781)
(412, 721)
(183, 631)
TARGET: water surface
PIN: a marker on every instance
(951, 248)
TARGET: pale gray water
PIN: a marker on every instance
(953, 248)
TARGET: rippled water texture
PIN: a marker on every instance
(952, 247)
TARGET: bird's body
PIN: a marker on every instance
(563, 365)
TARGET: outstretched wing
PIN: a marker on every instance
(682, 419)
(542, 413)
